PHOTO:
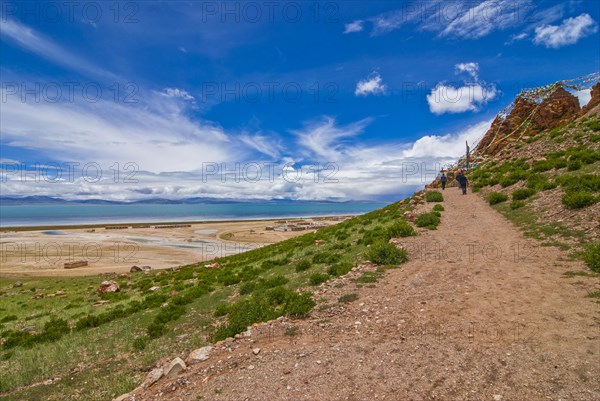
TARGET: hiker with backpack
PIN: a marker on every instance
(462, 181)
(443, 180)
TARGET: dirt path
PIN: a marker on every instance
(478, 313)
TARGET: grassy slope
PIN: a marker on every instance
(101, 352)
(572, 165)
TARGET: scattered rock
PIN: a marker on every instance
(135, 269)
(28, 328)
(212, 266)
(100, 303)
(256, 351)
(199, 355)
(17, 284)
(497, 397)
(154, 289)
(250, 367)
(176, 366)
(107, 286)
(153, 377)
(60, 292)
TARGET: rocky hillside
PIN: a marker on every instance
(545, 159)
(529, 119)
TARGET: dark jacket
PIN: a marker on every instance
(462, 180)
(443, 178)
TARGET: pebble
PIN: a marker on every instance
(256, 351)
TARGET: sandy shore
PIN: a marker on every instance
(43, 251)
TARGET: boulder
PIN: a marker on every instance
(175, 367)
(135, 269)
(17, 284)
(107, 286)
(199, 355)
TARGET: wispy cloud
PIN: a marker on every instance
(37, 43)
(324, 138)
(354, 26)
(567, 33)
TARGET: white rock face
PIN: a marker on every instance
(199, 355)
(175, 367)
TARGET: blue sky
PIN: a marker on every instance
(313, 100)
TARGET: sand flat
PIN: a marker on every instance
(43, 252)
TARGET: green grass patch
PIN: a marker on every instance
(496, 197)
(434, 196)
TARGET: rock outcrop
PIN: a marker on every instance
(559, 109)
(527, 118)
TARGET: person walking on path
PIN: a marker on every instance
(462, 181)
(443, 180)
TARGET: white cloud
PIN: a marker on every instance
(470, 68)
(176, 93)
(373, 85)
(458, 99)
(156, 134)
(567, 33)
(354, 26)
(449, 145)
(450, 99)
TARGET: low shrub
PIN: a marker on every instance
(347, 298)
(384, 253)
(438, 208)
(428, 220)
(434, 196)
(579, 199)
(574, 165)
(339, 269)
(140, 343)
(221, 310)
(303, 265)
(247, 287)
(317, 278)
(401, 229)
(8, 318)
(274, 281)
(517, 204)
(523, 193)
(496, 197)
(591, 256)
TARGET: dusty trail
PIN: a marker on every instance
(478, 313)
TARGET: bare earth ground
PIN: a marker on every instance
(35, 253)
(478, 313)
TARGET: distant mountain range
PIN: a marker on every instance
(48, 200)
